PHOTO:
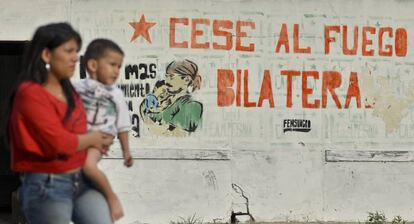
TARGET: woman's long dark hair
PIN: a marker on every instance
(34, 69)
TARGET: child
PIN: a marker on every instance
(106, 110)
(159, 99)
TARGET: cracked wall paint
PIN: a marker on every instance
(386, 104)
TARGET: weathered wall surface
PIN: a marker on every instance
(341, 68)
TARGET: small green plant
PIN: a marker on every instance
(398, 220)
(376, 218)
(189, 220)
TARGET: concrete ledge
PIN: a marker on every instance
(368, 156)
(174, 154)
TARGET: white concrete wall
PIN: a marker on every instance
(284, 174)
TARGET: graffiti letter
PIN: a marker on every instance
(131, 70)
(153, 70)
(246, 90)
(331, 81)
(217, 24)
(225, 94)
(144, 74)
(353, 91)
(388, 47)
(174, 44)
(367, 42)
(240, 34)
(307, 91)
(296, 47)
(289, 74)
(401, 42)
(195, 33)
(135, 125)
(266, 90)
(283, 39)
(329, 39)
(345, 48)
(238, 88)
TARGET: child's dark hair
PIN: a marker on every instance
(97, 49)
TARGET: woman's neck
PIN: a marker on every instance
(175, 97)
(53, 85)
(52, 81)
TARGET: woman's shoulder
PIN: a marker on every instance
(28, 84)
(29, 88)
(30, 95)
(188, 102)
(187, 99)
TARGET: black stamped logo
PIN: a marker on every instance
(300, 125)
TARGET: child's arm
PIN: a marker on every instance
(123, 125)
(123, 138)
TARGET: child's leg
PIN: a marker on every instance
(99, 179)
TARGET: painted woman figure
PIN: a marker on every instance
(170, 109)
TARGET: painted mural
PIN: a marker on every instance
(221, 78)
(170, 109)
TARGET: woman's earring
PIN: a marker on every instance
(190, 89)
(47, 66)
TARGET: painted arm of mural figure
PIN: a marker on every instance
(159, 127)
(156, 127)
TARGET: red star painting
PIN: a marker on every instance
(141, 29)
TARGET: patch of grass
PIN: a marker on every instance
(398, 220)
(379, 218)
(376, 218)
(189, 220)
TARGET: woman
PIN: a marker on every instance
(47, 134)
(170, 110)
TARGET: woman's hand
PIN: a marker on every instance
(101, 141)
(96, 139)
